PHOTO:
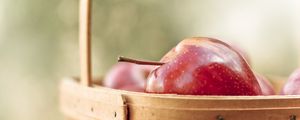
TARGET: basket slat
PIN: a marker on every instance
(84, 102)
(142, 113)
(213, 102)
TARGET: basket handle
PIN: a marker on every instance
(85, 42)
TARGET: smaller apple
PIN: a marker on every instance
(292, 86)
(127, 76)
(265, 85)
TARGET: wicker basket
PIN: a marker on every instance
(84, 100)
(100, 103)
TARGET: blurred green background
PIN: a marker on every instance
(39, 41)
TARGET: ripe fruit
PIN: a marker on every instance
(127, 76)
(265, 85)
(291, 87)
(203, 66)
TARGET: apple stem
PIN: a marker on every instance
(140, 62)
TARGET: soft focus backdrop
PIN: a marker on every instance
(39, 41)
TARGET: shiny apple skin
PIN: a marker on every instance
(203, 66)
(265, 85)
(241, 50)
(292, 86)
(127, 76)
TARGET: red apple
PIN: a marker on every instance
(292, 86)
(203, 66)
(265, 85)
(127, 76)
